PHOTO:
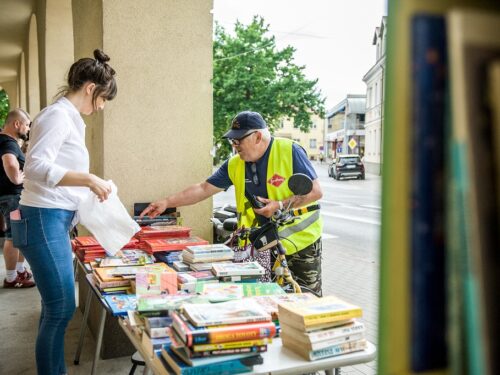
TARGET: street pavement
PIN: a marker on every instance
(351, 212)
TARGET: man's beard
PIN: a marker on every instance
(22, 136)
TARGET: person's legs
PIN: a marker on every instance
(305, 266)
(48, 251)
(12, 255)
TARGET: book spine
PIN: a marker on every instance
(338, 332)
(232, 345)
(336, 341)
(158, 332)
(335, 350)
(209, 353)
(112, 284)
(228, 367)
(428, 294)
(332, 316)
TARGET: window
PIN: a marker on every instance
(312, 143)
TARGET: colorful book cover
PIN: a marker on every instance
(232, 312)
(129, 257)
(261, 289)
(174, 243)
(121, 303)
(270, 302)
(169, 302)
(318, 311)
(208, 249)
(150, 282)
(219, 292)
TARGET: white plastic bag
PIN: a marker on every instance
(108, 221)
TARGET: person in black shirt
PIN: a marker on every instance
(17, 125)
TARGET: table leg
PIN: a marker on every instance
(75, 268)
(100, 332)
(83, 329)
(332, 371)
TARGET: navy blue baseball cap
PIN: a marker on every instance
(245, 122)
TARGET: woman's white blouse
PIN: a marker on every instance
(57, 145)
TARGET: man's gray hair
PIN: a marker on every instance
(266, 134)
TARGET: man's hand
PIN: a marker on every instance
(155, 208)
(269, 209)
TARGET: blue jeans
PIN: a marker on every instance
(42, 235)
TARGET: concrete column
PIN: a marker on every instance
(22, 83)
(11, 89)
(56, 51)
(33, 86)
(155, 137)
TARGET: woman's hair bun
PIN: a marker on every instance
(101, 56)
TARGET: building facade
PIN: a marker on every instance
(312, 142)
(345, 132)
(162, 53)
(374, 80)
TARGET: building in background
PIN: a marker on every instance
(374, 80)
(313, 142)
(345, 132)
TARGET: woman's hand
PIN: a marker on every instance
(99, 187)
(269, 209)
(155, 208)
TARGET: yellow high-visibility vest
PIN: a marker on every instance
(307, 228)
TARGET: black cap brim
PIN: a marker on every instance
(237, 133)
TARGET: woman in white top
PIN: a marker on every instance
(56, 177)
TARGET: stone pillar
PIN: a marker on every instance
(155, 137)
(33, 87)
(11, 89)
(22, 83)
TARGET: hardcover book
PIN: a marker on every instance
(121, 303)
(325, 334)
(316, 312)
(331, 351)
(130, 257)
(232, 312)
(219, 292)
(174, 243)
(192, 335)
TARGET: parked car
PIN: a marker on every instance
(346, 166)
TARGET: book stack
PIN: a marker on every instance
(88, 249)
(169, 257)
(171, 244)
(321, 328)
(218, 338)
(187, 281)
(156, 280)
(234, 272)
(201, 257)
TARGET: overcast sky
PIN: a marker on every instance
(333, 38)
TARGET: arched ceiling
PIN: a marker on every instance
(14, 22)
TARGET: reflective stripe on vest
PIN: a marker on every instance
(307, 228)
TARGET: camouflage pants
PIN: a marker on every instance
(305, 266)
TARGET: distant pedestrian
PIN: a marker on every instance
(321, 158)
(16, 128)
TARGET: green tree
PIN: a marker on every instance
(4, 107)
(250, 73)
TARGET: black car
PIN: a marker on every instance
(347, 166)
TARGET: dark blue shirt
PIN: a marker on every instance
(9, 145)
(301, 164)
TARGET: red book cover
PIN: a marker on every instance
(163, 231)
(87, 241)
(176, 243)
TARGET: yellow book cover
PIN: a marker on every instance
(318, 311)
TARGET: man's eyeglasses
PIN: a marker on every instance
(237, 142)
(255, 177)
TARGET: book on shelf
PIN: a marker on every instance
(474, 46)
(317, 312)
(324, 334)
(235, 269)
(331, 351)
(219, 292)
(121, 303)
(427, 233)
(231, 364)
(152, 345)
(231, 312)
(192, 335)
